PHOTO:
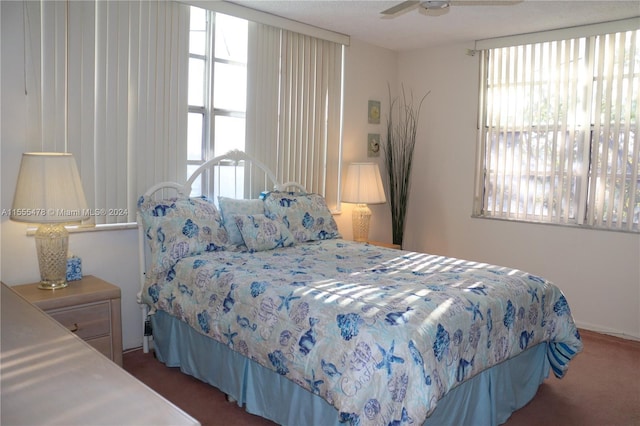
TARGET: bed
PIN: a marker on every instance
(252, 289)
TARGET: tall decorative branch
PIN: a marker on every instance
(398, 151)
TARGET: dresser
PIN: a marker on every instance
(51, 376)
(89, 307)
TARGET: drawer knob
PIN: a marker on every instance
(74, 328)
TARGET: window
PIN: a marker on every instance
(558, 139)
(274, 93)
(217, 88)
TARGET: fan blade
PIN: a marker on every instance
(400, 7)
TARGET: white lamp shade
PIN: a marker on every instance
(363, 184)
(49, 190)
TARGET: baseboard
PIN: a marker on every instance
(604, 330)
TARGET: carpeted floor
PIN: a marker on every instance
(602, 388)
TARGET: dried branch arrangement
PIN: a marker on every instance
(402, 125)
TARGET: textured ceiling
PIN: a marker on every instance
(463, 21)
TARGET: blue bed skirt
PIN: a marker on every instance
(487, 399)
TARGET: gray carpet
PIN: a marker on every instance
(601, 388)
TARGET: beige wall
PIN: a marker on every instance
(369, 71)
(599, 271)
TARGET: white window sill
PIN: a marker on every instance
(73, 229)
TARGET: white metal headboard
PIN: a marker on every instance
(243, 177)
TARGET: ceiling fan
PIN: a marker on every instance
(441, 5)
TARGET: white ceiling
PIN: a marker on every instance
(464, 21)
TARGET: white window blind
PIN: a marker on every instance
(558, 138)
(294, 106)
(120, 80)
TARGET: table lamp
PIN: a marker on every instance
(49, 193)
(363, 185)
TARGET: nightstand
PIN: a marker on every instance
(89, 307)
(387, 245)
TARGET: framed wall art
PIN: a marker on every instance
(373, 145)
(374, 112)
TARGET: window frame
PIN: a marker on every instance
(209, 112)
(207, 98)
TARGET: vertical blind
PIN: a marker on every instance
(263, 69)
(294, 106)
(108, 83)
(558, 138)
(614, 200)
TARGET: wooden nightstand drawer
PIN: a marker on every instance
(102, 344)
(88, 321)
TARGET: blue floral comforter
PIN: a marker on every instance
(381, 334)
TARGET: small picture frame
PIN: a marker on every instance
(373, 145)
(374, 112)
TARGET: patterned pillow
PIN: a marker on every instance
(232, 207)
(179, 228)
(261, 233)
(306, 215)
